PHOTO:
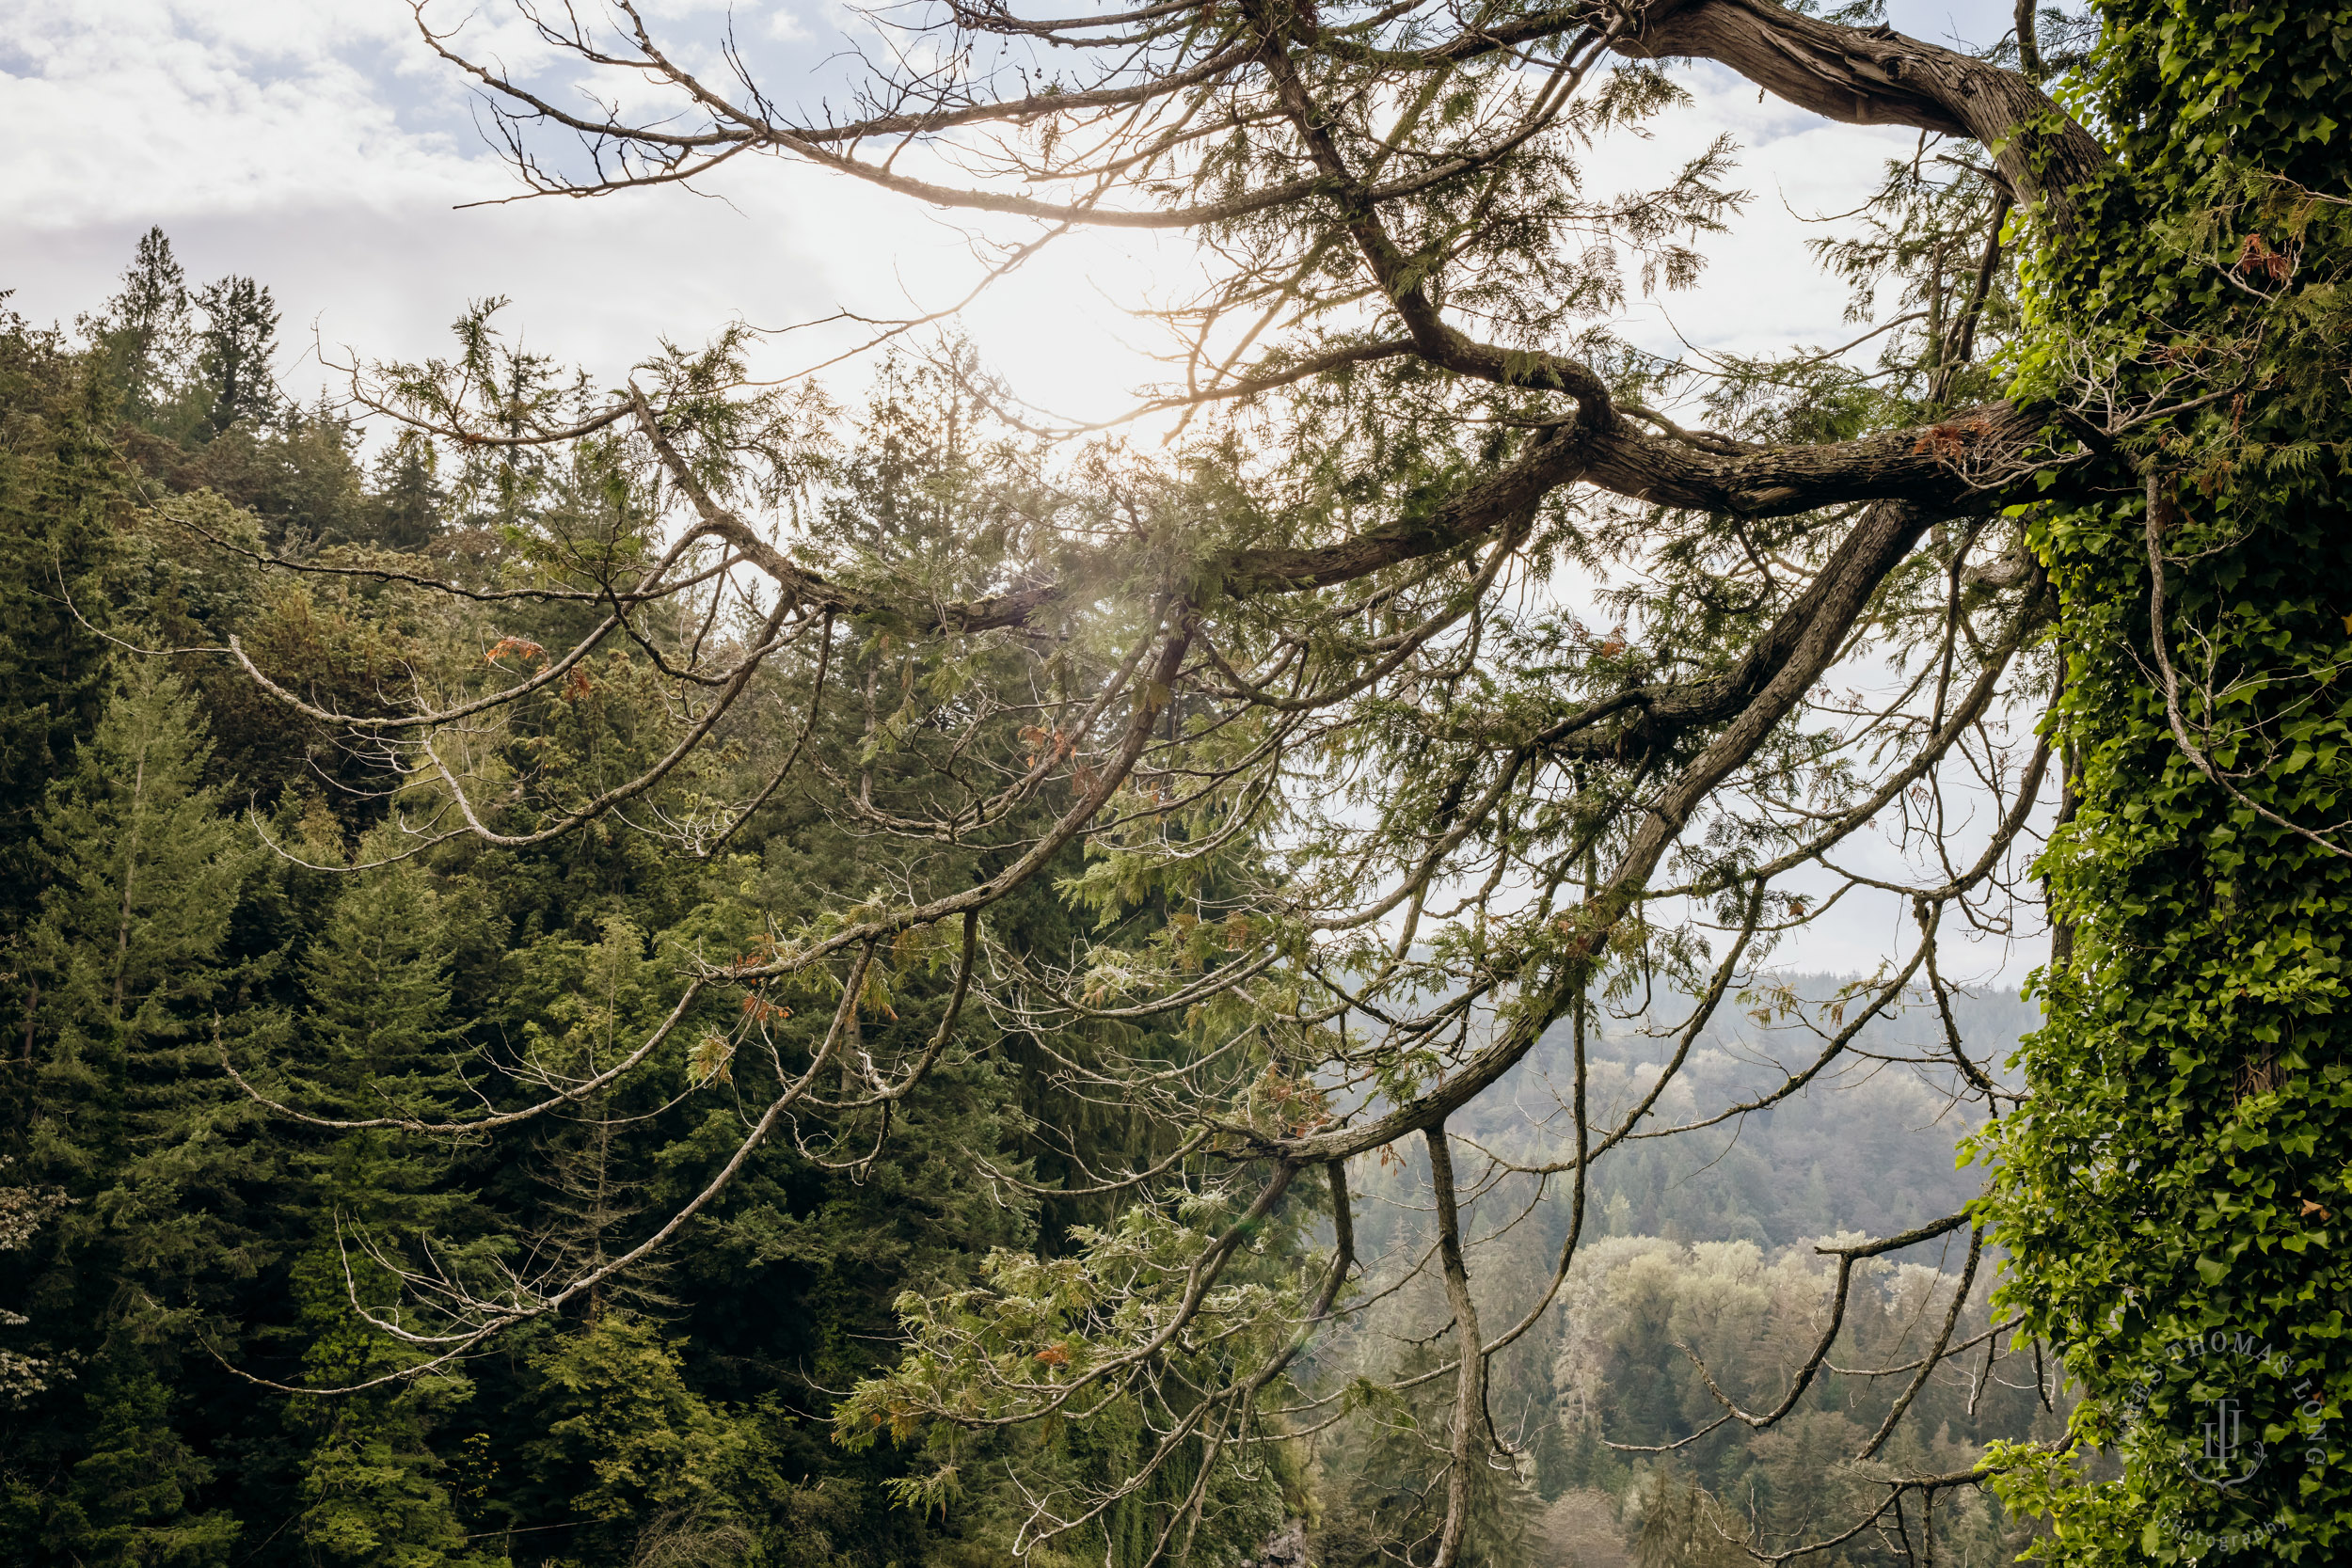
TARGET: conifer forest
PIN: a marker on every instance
(686, 966)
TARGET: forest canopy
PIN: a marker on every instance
(676, 970)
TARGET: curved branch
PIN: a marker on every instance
(1878, 76)
(1847, 1258)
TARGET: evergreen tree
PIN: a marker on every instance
(134, 1120)
(1554, 1460)
(380, 1043)
(59, 486)
(296, 469)
(371, 1488)
(240, 333)
(1385, 1482)
(642, 1464)
(1680, 1529)
(408, 495)
(602, 995)
(148, 331)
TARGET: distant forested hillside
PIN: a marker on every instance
(1845, 1153)
(1700, 1261)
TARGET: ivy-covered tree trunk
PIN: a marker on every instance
(2176, 1196)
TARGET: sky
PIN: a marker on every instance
(318, 146)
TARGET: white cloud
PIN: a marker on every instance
(322, 148)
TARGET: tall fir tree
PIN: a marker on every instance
(408, 495)
(61, 486)
(134, 1120)
(239, 336)
(378, 1041)
(148, 332)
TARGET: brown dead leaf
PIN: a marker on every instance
(522, 646)
(2256, 258)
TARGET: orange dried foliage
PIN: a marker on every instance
(2255, 259)
(764, 1011)
(522, 646)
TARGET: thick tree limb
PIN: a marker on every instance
(1878, 76)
